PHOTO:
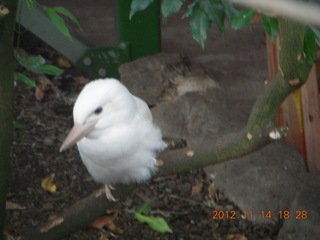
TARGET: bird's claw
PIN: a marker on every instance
(108, 188)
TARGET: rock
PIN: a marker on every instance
(273, 179)
(149, 77)
(303, 221)
(197, 118)
(259, 181)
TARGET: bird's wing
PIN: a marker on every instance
(143, 109)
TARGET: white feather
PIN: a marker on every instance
(124, 142)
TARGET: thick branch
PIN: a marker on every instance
(295, 10)
(259, 131)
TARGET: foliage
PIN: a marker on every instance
(202, 13)
(54, 15)
(244, 17)
(36, 64)
(156, 223)
(58, 21)
(270, 26)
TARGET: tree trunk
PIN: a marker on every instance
(7, 23)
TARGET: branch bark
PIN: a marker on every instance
(294, 10)
(256, 134)
(7, 21)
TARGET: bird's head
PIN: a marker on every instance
(101, 104)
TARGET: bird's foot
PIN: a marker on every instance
(108, 188)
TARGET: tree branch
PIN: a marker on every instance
(260, 131)
(295, 10)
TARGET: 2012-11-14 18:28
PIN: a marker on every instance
(299, 214)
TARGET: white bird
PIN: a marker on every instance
(115, 134)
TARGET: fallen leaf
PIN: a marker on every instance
(103, 237)
(106, 222)
(196, 189)
(48, 184)
(14, 206)
(50, 225)
(159, 162)
(102, 222)
(81, 80)
(190, 153)
(212, 191)
(40, 91)
(235, 237)
(62, 62)
(156, 223)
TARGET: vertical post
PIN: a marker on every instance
(142, 31)
(7, 23)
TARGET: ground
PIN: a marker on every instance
(237, 62)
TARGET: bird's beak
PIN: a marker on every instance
(78, 132)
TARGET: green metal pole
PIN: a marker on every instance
(142, 31)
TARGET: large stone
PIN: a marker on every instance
(265, 180)
(304, 219)
(273, 179)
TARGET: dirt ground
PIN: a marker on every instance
(35, 156)
(240, 68)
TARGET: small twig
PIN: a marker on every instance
(191, 202)
(162, 213)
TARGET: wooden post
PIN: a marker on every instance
(300, 112)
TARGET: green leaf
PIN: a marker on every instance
(214, 11)
(31, 3)
(30, 63)
(188, 13)
(309, 45)
(243, 18)
(58, 22)
(199, 24)
(169, 7)
(229, 10)
(19, 126)
(68, 14)
(156, 223)
(316, 33)
(50, 69)
(270, 26)
(25, 79)
(143, 208)
(139, 5)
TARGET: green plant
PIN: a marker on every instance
(156, 223)
(54, 15)
(203, 13)
(35, 64)
(38, 63)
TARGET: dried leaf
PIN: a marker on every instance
(196, 189)
(102, 222)
(190, 153)
(212, 191)
(14, 206)
(107, 222)
(235, 237)
(48, 184)
(50, 225)
(159, 162)
(40, 91)
(81, 80)
(62, 62)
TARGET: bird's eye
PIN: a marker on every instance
(98, 110)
